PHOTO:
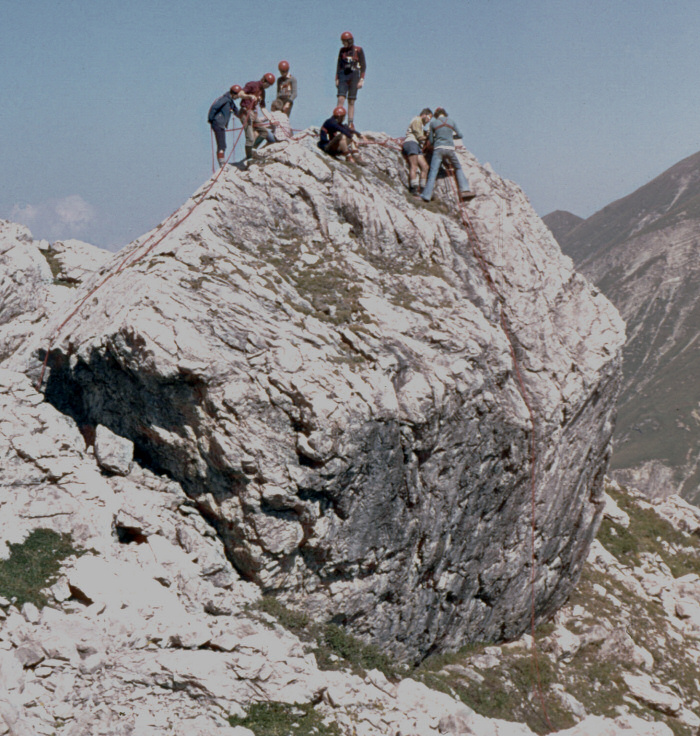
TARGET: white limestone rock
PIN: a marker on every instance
(354, 427)
(113, 453)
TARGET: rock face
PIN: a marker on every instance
(643, 252)
(322, 365)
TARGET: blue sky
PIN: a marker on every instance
(104, 103)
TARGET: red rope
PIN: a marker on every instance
(129, 260)
(481, 260)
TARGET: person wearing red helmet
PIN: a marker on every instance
(349, 73)
(335, 138)
(253, 111)
(286, 87)
(219, 116)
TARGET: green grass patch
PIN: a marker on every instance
(282, 719)
(333, 647)
(297, 622)
(33, 565)
(649, 533)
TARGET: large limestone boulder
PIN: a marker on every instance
(346, 384)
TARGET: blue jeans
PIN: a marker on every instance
(440, 155)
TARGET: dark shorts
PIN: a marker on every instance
(411, 148)
(347, 85)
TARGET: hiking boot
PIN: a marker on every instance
(466, 195)
(413, 190)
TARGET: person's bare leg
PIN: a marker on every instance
(423, 166)
(351, 113)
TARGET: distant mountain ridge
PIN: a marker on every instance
(642, 252)
(561, 222)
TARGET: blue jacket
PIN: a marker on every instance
(331, 127)
(442, 132)
(221, 109)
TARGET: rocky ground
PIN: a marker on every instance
(345, 385)
(120, 609)
(121, 615)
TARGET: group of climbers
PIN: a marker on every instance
(428, 145)
(259, 124)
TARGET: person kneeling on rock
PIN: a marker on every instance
(336, 138)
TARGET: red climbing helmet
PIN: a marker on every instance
(346, 36)
(283, 66)
(339, 112)
(269, 78)
(235, 89)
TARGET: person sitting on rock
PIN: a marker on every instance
(286, 88)
(441, 133)
(280, 121)
(336, 138)
(412, 150)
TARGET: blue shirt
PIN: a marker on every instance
(331, 127)
(442, 132)
(221, 109)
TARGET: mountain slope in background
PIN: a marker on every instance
(561, 222)
(642, 252)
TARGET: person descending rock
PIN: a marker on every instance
(219, 116)
(253, 111)
(350, 73)
(336, 138)
(280, 121)
(286, 88)
(441, 133)
(412, 149)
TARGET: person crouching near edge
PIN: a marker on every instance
(441, 133)
(219, 116)
(412, 149)
(336, 138)
(280, 121)
(254, 126)
(286, 88)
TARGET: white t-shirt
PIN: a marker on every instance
(281, 129)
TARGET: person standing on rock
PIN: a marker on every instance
(441, 134)
(412, 149)
(336, 138)
(286, 88)
(349, 73)
(252, 122)
(219, 116)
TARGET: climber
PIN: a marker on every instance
(349, 74)
(252, 112)
(412, 149)
(280, 121)
(286, 87)
(219, 116)
(441, 134)
(336, 138)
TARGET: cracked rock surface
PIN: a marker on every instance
(319, 361)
